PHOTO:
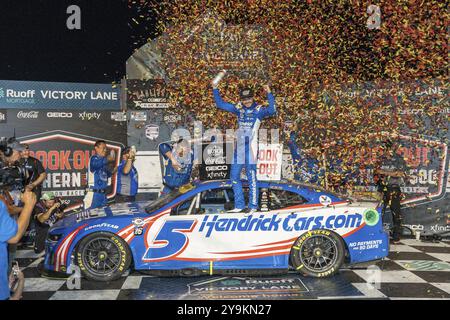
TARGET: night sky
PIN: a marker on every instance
(35, 43)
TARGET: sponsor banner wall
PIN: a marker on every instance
(58, 95)
(147, 94)
(216, 158)
(422, 108)
(270, 160)
(63, 140)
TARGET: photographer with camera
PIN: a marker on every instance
(46, 213)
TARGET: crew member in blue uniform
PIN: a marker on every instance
(127, 177)
(249, 115)
(178, 163)
(306, 168)
(99, 166)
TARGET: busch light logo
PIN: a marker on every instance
(293, 222)
(27, 115)
(152, 131)
(214, 151)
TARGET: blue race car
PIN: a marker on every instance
(189, 232)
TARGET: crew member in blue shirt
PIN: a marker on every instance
(127, 177)
(99, 166)
(178, 163)
(11, 231)
(249, 115)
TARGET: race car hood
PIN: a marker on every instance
(117, 209)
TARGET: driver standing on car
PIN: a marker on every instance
(249, 115)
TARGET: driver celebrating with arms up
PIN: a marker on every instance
(249, 115)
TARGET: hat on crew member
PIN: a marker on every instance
(48, 196)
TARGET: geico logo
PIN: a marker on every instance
(216, 168)
(59, 114)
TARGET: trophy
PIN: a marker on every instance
(218, 78)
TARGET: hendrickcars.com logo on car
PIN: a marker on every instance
(290, 223)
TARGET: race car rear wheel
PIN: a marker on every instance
(103, 256)
(318, 253)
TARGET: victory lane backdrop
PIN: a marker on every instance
(61, 122)
(65, 154)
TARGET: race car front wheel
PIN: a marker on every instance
(318, 253)
(103, 256)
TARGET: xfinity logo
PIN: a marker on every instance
(59, 114)
(28, 115)
(89, 115)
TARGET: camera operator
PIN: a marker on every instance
(391, 175)
(46, 213)
(11, 232)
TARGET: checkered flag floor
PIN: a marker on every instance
(414, 269)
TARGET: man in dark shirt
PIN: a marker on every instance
(36, 171)
(46, 213)
(391, 174)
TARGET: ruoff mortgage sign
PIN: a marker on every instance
(57, 95)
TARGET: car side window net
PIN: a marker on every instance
(279, 199)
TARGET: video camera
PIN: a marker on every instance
(62, 206)
(13, 177)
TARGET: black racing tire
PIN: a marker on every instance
(318, 253)
(103, 256)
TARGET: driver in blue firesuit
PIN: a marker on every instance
(249, 115)
(178, 162)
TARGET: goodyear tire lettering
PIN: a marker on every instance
(124, 259)
(298, 250)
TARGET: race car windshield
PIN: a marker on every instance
(161, 201)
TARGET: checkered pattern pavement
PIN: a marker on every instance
(414, 269)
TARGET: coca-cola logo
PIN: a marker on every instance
(28, 115)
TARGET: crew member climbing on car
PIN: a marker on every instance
(178, 162)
